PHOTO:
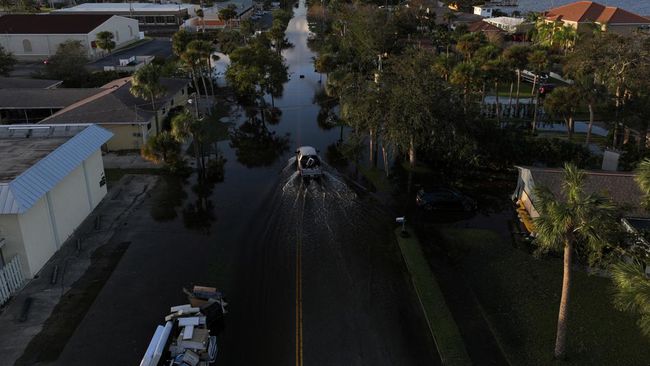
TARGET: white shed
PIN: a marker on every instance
(51, 179)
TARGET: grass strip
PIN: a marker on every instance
(441, 323)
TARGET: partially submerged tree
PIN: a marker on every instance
(574, 218)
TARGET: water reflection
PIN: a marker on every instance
(255, 145)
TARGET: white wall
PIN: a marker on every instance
(119, 26)
(10, 231)
(38, 237)
(43, 45)
(32, 234)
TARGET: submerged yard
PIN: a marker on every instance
(519, 295)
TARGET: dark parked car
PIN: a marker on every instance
(444, 199)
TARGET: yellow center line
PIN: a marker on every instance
(298, 303)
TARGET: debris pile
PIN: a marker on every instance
(188, 337)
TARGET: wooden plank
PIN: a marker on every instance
(188, 321)
(188, 331)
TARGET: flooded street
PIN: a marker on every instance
(312, 272)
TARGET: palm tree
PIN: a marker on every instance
(572, 218)
(538, 62)
(632, 292)
(146, 84)
(162, 147)
(643, 180)
(201, 15)
(517, 57)
(563, 103)
(185, 127)
(105, 41)
(203, 50)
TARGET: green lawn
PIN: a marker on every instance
(441, 323)
(377, 178)
(520, 296)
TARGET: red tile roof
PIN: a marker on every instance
(51, 23)
(589, 11)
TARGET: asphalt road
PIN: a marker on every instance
(159, 47)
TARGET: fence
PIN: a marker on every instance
(11, 279)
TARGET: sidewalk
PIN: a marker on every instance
(70, 264)
(444, 331)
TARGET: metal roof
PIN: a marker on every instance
(21, 193)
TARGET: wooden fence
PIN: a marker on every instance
(11, 279)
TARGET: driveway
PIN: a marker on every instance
(159, 47)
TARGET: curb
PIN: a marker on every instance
(450, 346)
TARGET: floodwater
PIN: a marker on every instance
(311, 269)
(641, 7)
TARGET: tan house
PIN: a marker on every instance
(130, 119)
(583, 14)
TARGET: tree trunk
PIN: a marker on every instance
(535, 100)
(512, 87)
(570, 127)
(591, 123)
(563, 315)
(498, 109)
(210, 76)
(517, 96)
(384, 155)
(412, 156)
(155, 113)
(372, 155)
(532, 91)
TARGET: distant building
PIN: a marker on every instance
(130, 119)
(147, 14)
(51, 179)
(484, 27)
(510, 25)
(36, 36)
(580, 15)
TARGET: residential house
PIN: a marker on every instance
(30, 105)
(619, 186)
(132, 120)
(582, 15)
(35, 37)
(51, 179)
(27, 83)
(510, 25)
(484, 27)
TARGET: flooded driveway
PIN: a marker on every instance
(312, 272)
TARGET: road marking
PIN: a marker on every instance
(299, 286)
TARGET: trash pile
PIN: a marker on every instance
(188, 337)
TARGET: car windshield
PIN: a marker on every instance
(309, 161)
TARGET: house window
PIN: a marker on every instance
(171, 102)
(148, 126)
(117, 36)
(137, 134)
(164, 110)
(171, 20)
(150, 20)
(27, 45)
(130, 31)
(183, 91)
(160, 20)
